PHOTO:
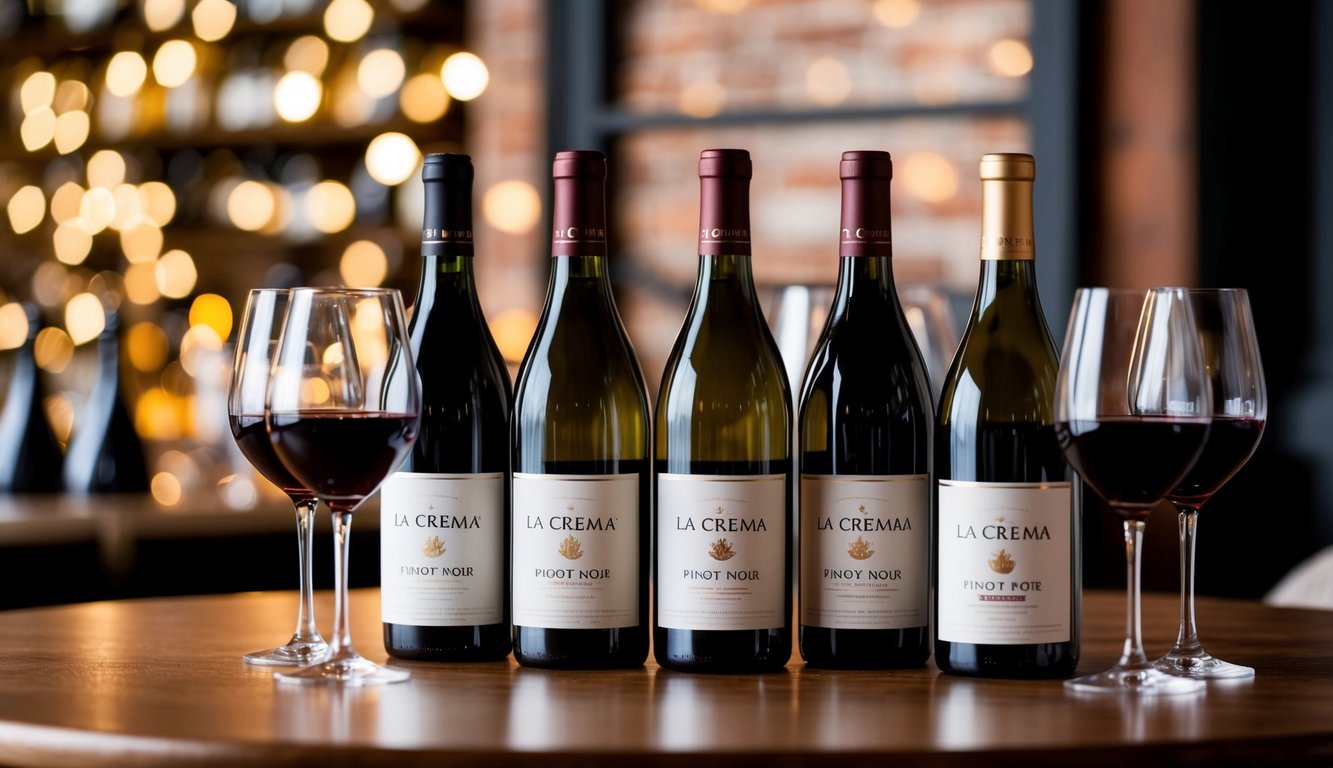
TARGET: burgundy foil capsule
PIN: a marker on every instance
(578, 215)
(724, 202)
(866, 229)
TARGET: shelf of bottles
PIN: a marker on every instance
(162, 157)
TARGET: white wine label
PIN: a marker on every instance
(576, 551)
(721, 546)
(1004, 562)
(442, 549)
(865, 545)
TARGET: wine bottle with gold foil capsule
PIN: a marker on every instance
(1005, 527)
(580, 444)
(866, 417)
(444, 516)
(722, 460)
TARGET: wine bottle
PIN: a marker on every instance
(105, 453)
(1006, 570)
(866, 417)
(581, 475)
(723, 463)
(30, 458)
(444, 528)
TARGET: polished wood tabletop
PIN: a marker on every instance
(160, 682)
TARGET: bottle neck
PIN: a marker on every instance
(863, 279)
(1008, 279)
(1006, 220)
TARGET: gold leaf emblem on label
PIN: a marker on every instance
(860, 549)
(721, 550)
(1002, 562)
(433, 548)
(571, 548)
(861, 509)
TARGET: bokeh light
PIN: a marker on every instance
(381, 72)
(52, 350)
(71, 131)
(424, 99)
(827, 82)
(212, 310)
(161, 15)
(930, 176)
(363, 265)
(897, 14)
(97, 210)
(174, 63)
(702, 98)
(330, 207)
(348, 20)
(465, 76)
(38, 90)
(126, 73)
(72, 243)
(297, 96)
(166, 489)
(65, 203)
(392, 158)
(251, 205)
(38, 128)
(13, 326)
(176, 274)
(513, 329)
(141, 283)
(106, 168)
(512, 206)
(141, 241)
(26, 209)
(146, 345)
(85, 317)
(159, 202)
(309, 54)
(1010, 58)
(213, 19)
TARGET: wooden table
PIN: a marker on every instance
(160, 682)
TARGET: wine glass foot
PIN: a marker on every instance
(1201, 666)
(293, 654)
(354, 670)
(1139, 681)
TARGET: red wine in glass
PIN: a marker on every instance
(1231, 442)
(343, 457)
(252, 438)
(1132, 461)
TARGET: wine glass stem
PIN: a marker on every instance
(306, 631)
(1188, 637)
(1133, 654)
(341, 645)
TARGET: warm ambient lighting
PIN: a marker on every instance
(213, 19)
(52, 350)
(141, 241)
(26, 209)
(297, 96)
(161, 15)
(157, 415)
(465, 76)
(213, 311)
(512, 206)
(97, 209)
(1010, 58)
(129, 207)
(513, 329)
(49, 282)
(174, 63)
(348, 20)
(381, 72)
(106, 168)
(251, 206)
(930, 176)
(897, 14)
(722, 6)
(72, 242)
(827, 82)
(71, 95)
(60, 413)
(166, 489)
(147, 347)
(363, 265)
(702, 98)
(71, 131)
(38, 128)
(392, 158)
(309, 54)
(126, 73)
(85, 317)
(423, 99)
(330, 207)
(66, 201)
(176, 274)
(159, 202)
(141, 283)
(37, 91)
(13, 326)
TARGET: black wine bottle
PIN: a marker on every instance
(105, 453)
(30, 457)
(866, 418)
(723, 458)
(581, 475)
(444, 526)
(1005, 525)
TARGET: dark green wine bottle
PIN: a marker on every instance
(723, 458)
(1005, 525)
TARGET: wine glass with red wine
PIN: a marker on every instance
(1239, 408)
(1132, 405)
(265, 311)
(344, 405)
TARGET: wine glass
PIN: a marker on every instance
(1131, 409)
(344, 405)
(1239, 408)
(261, 325)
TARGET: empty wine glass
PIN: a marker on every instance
(1239, 409)
(344, 405)
(261, 325)
(1131, 408)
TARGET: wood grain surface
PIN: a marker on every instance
(159, 682)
